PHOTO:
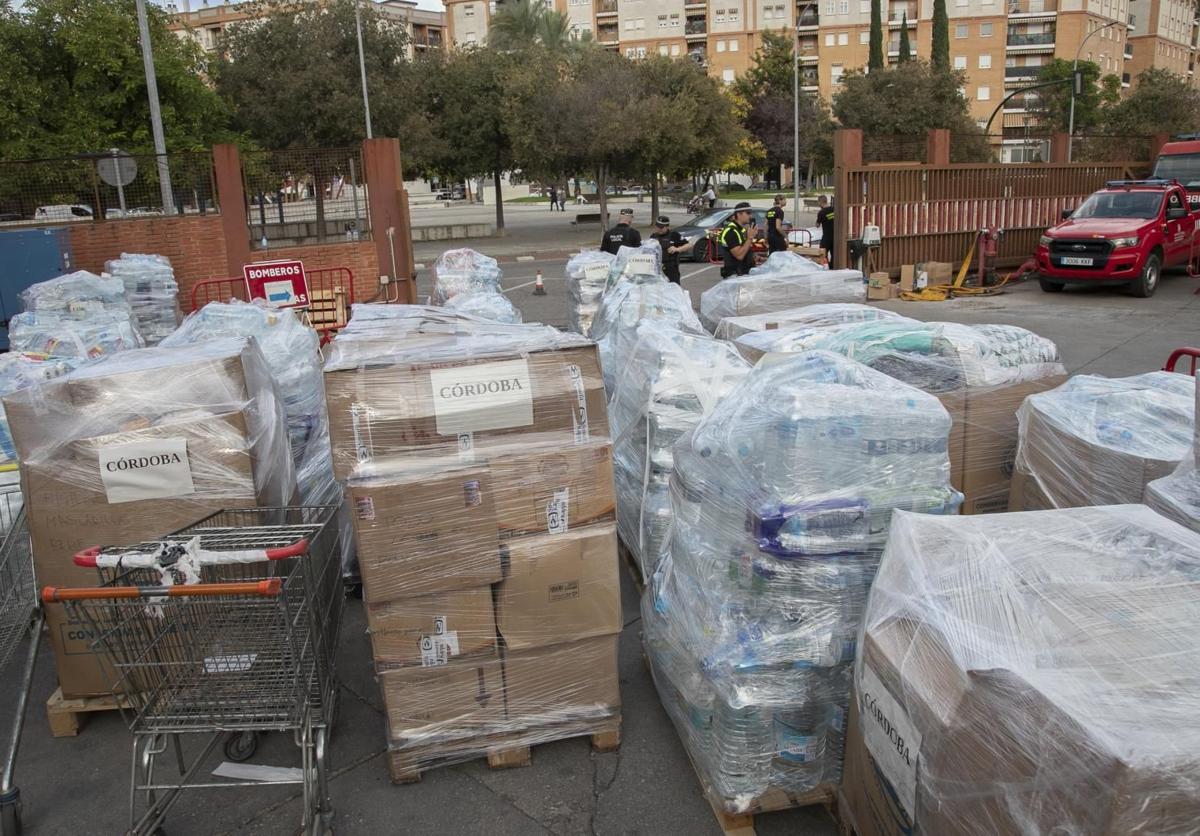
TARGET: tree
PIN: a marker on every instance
(1161, 102)
(519, 24)
(292, 79)
(905, 46)
(875, 54)
(73, 82)
(939, 50)
(1053, 104)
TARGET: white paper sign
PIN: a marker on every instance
(642, 264)
(485, 396)
(891, 738)
(596, 273)
(146, 470)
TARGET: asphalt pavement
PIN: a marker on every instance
(76, 785)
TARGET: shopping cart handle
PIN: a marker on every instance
(90, 558)
(296, 549)
(267, 589)
(87, 557)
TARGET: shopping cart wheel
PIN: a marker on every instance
(241, 746)
(10, 815)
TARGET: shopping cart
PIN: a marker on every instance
(20, 617)
(226, 628)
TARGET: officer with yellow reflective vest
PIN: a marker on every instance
(736, 240)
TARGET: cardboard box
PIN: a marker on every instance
(433, 707)
(894, 291)
(434, 629)
(908, 277)
(560, 587)
(425, 531)
(938, 272)
(878, 294)
(383, 415)
(547, 685)
(552, 489)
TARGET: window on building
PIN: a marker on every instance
(674, 50)
(960, 3)
(843, 7)
(468, 11)
(734, 13)
(662, 21)
(864, 7)
(835, 74)
(829, 39)
(471, 38)
(641, 52)
(768, 12)
(830, 5)
(720, 16)
(960, 62)
(985, 61)
(641, 23)
(720, 46)
(985, 30)
(843, 38)
(629, 25)
(960, 30)
(662, 49)
(983, 94)
(733, 45)
(864, 37)
(728, 76)
(628, 52)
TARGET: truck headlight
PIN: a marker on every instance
(1044, 241)
(1120, 243)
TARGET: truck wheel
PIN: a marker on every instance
(1145, 285)
(1049, 286)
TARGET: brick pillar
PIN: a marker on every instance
(231, 193)
(388, 203)
(847, 154)
(1058, 147)
(937, 147)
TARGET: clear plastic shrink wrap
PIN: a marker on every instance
(815, 316)
(784, 281)
(1178, 496)
(77, 317)
(486, 305)
(478, 466)
(782, 496)
(637, 264)
(629, 303)
(79, 293)
(671, 381)
(587, 277)
(138, 444)
(1029, 674)
(18, 371)
(1099, 441)
(464, 271)
(151, 291)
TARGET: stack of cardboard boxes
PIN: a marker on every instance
(478, 467)
(135, 446)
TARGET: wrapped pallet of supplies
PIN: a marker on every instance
(19, 371)
(587, 278)
(1099, 441)
(464, 271)
(1178, 496)
(78, 293)
(627, 304)
(980, 373)
(137, 445)
(671, 380)
(486, 305)
(77, 318)
(782, 496)
(477, 461)
(151, 291)
(1029, 673)
(637, 264)
(815, 316)
(784, 281)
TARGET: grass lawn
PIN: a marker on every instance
(530, 199)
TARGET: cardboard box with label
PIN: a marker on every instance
(440, 706)
(421, 532)
(1047, 694)
(574, 681)
(433, 630)
(464, 409)
(553, 489)
(936, 272)
(879, 287)
(560, 587)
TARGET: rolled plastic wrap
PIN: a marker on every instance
(486, 305)
(784, 281)
(629, 303)
(151, 292)
(1030, 673)
(671, 381)
(587, 278)
(464, 271)
(1099, 441)
(815, 316)
(781, 498)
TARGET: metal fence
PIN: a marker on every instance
(305, 197)
(106, 186)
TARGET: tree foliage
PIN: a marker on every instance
(875, 50)
(1161, 102)
(1053, 104)
(73, 82)
(939, 49)
(520, 24)
(905, 46)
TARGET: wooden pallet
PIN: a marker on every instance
(509, 750)
(67, 716)
(630, 561)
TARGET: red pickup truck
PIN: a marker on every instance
(1126, 233)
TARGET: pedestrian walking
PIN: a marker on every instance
(710, 196)
(553, 198)
(776, 236)
(562, 199)
(825, 221)
(736, 241)
(672, 244)
(621, 235)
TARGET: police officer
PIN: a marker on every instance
(737, 242)
(672, 244)
(621, 235)
(825, 221)
(776, 237)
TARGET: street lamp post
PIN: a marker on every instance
(796, 129)
(1074, 70)
(156, 128)
(362, 66)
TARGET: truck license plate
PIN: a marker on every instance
(1076, 261)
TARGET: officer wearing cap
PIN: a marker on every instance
(776, 237)
(672, 244)
(737, 242)
(621, 235)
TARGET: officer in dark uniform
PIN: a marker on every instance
(621, 235)
(776, 237)
(672, 244)
(825, 221)
(737, 242)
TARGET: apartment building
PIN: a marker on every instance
(204, 21)
(1163, 33)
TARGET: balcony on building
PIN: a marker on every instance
(1023, 41)
(606, 7)
(899, 12)
(608, 33)
(699, 56)
(691, 7)
(807, 16)
(695, 28)
(1033, 9)
(1021, 72)
(809, 49)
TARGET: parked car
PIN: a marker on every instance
(1126, 233)
(64, 212)
(710, 223)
